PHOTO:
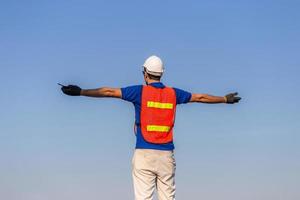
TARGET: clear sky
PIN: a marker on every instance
(58, 147)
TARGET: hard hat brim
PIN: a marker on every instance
(153, 73)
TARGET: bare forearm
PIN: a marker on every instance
(212, 99)
(206, 98)
(102, 92)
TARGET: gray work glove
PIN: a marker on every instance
(232, 98)
(72, 90)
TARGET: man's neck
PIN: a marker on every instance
(152, 81)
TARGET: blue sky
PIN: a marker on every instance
(58, 147)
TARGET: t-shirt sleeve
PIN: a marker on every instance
(132, 93)
(182, 96)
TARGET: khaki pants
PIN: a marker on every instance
(153, 169)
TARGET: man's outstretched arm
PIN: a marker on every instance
(74, 90)
(102, 92)
(206, 98)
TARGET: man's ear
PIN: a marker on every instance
(146, 77)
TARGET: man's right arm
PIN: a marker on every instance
(206, 98)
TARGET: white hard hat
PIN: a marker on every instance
(154, 66)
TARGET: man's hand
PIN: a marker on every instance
(72, 90)
(232, 98)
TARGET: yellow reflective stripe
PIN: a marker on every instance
(153, 104)
(158, 128)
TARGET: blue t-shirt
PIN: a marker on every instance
(134, 94)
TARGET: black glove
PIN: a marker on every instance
(72, 90)
(232, 98)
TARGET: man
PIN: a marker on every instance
(153, 163)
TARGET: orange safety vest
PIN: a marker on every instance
(158, 108)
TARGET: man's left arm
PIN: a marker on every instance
(74, 90)
(102, 92)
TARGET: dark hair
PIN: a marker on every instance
(157, 78)
(153, 77)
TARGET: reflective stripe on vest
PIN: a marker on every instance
(152, 104)
(158, 128)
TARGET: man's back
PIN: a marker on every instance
(134, 94)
